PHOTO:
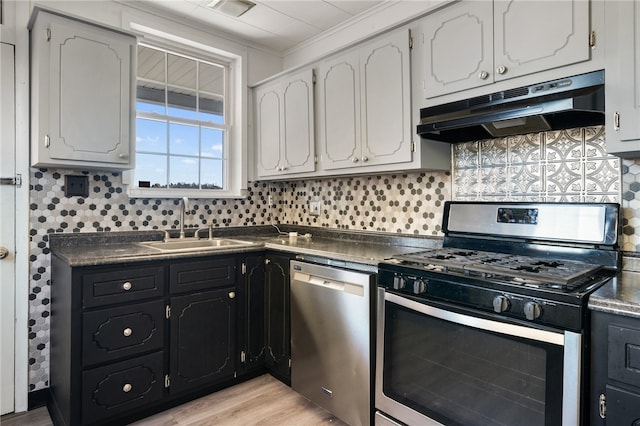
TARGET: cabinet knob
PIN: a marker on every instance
(501, 69)
(483, 75)
(127, 387)
(267, 261)
(127, 332)
(365, 159)
(126, 286)
(355, 159)
(232, 295)
(123, 156)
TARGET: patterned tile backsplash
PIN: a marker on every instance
(560, 166)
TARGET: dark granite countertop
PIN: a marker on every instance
(88, 249)
(620, 296)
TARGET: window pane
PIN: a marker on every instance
(151, 135)
(181, 71)
(183, 172)
(182, 104)
(151, 168)
(184, 139)
(211, 174)
(211, 79)
(151, 64)
(212, 142)
(151, 97)
(211, 109)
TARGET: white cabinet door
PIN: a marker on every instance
(298, 131)
(267, 123)
(622, 84)
(82, 94)
(533, 36)
(459, 48)
(284, 125)
(339, 111)
(386, 100)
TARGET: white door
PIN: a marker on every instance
(7, 228)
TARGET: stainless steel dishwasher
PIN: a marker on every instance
(331, 338)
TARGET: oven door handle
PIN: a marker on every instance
(479, 323)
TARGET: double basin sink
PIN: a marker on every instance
(191, 244)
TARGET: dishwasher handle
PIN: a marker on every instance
(345, 287)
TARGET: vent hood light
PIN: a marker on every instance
(231, 7)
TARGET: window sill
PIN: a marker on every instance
(190, 193)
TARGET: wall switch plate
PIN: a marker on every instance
(314, 208)
(76, 186)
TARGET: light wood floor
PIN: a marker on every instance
(260, 401)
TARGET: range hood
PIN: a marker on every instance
(553, 105)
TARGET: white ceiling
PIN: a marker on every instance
(277, 24)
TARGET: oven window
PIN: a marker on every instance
(459, 375)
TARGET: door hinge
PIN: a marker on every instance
(602, 406)
(48, 34)
(244, 268)
(410, 40)
(616, 121)
(413, 147)
(167, 381)
(592, 39)
(313, 77)
(289, 362)
(15, 181)
(47, 141)
(167, 311)
(243, 357)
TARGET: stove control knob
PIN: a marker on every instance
(419, 287)
(532, 310)
(501, 304)
(399, 282)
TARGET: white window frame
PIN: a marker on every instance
(235, 110)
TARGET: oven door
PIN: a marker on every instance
(435, 365)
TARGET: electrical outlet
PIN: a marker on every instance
(76, 186)
(314, 208)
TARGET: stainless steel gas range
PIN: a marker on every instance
(492, 329)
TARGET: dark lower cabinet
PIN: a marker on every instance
(278, 332)
(203, 333)
(131, 339)
(615, 376)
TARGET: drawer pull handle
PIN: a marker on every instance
(232, 295)
(126, 286)
(127, 332)
(127, 387)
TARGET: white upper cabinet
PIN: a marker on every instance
(622, 85)
(83, 79)
(284, 126)
(473, 43)
(364, 100)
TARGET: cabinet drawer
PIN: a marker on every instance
(122, 285)
(624, 354)
(202, 275)
(117, 388)
(114, 333)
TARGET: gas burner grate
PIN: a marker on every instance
(524, 270)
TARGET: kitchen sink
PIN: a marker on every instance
(193, 244)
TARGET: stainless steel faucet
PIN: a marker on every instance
(183, 208)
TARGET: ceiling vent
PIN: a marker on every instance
(231, 7)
